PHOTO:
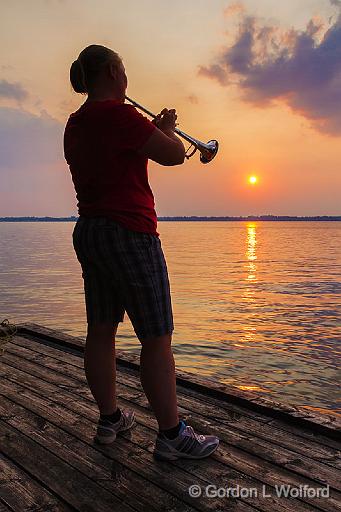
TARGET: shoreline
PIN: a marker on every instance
(249, 218)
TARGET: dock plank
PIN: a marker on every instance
(330, 424)
(234, 410)
(256, 425)
(201, 471)
(131, 454)
(47, 411)
(75, 488)
(21, 492)
(5, 508)
(65, 400)
(111, 474)
(268, 474)
(303, 465)
(71, 360)
(191, 400)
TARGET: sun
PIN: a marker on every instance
(253, 180)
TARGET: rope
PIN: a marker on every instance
(7, 331)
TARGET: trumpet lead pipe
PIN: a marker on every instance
(182, 134)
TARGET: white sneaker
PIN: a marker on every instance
(187, 445)
(107, 430)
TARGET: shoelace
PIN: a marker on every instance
(190, 431)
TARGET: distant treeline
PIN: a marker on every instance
(186, 218)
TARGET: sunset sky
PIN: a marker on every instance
(262, 77)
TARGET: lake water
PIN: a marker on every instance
(256, 305)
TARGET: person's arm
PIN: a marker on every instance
(163, 146)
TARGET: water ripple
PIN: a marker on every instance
(256, 305)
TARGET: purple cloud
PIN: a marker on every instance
(299, 68)
(35, 179)
(12, 90)
(28, 140)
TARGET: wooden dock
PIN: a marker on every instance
(50, 462)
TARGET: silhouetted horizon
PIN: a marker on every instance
(185, 218)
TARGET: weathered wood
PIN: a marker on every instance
(48, 362)
(128, 485)
(190, 400)
(269, 505)
(75, 360)
(327, 424)
(6, 508)
(23, 493)
(306, 433)
(61, 362)
(167, 476)
(74, 487)
(298, 438)
(235, 412)
(46, 401)
(280, 478)
(189, 404)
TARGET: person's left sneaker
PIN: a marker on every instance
(188, 445)
(107, 430)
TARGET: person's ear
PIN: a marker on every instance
(113, 71)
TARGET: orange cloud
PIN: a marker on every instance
(233, 9)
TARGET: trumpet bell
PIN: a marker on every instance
(208, 151)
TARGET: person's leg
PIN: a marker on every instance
(100, 365)
(157, 372)
(96, 253)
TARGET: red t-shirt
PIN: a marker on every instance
(101, 140)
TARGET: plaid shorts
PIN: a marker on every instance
(123, 270)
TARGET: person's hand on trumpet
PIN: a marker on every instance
(166, 120)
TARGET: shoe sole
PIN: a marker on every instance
(158, 455)
(105, 440)
(110, 439)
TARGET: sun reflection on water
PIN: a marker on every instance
(251, 244)
(249, 331)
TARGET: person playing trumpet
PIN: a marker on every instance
(107, 144)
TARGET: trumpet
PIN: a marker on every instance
(207, 150)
